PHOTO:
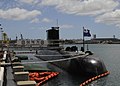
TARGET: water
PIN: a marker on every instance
(109, 53)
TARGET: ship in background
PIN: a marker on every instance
(70, 59)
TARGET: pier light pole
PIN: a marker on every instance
(83, 41)
(1, 37)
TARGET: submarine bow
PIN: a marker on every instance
(92, 66)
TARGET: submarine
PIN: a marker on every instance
(70, 59)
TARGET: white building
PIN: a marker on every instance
(32, 43)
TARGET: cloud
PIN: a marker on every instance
(112, 17)
(6, 4)
(101, 9)
(18, 14)
(46, 20)
(66, 26)
(29, 1)
(35, 20)
(82, 7)
(51, 2)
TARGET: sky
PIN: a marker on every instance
(32, 18)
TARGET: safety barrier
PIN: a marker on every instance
(94, 78)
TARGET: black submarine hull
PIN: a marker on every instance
(79, 64)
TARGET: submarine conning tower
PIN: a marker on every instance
(53, 37)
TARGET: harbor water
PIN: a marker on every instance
(109, 53)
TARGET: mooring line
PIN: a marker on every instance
(49, 61)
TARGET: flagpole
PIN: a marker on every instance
(83, 41)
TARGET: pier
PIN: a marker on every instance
(14, 73)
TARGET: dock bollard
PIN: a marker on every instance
(26, 83)
(21, 76)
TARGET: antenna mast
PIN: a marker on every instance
(57, 22)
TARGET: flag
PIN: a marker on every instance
(86, 32)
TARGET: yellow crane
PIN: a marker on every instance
(5, 40)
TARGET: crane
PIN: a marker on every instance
(5, 40)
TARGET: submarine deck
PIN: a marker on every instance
(32, 59)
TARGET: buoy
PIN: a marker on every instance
(90, 80)
(102, 75)
(99, 76)
(86, 82)
(108, 72)
(81, 85)
(94, 78)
